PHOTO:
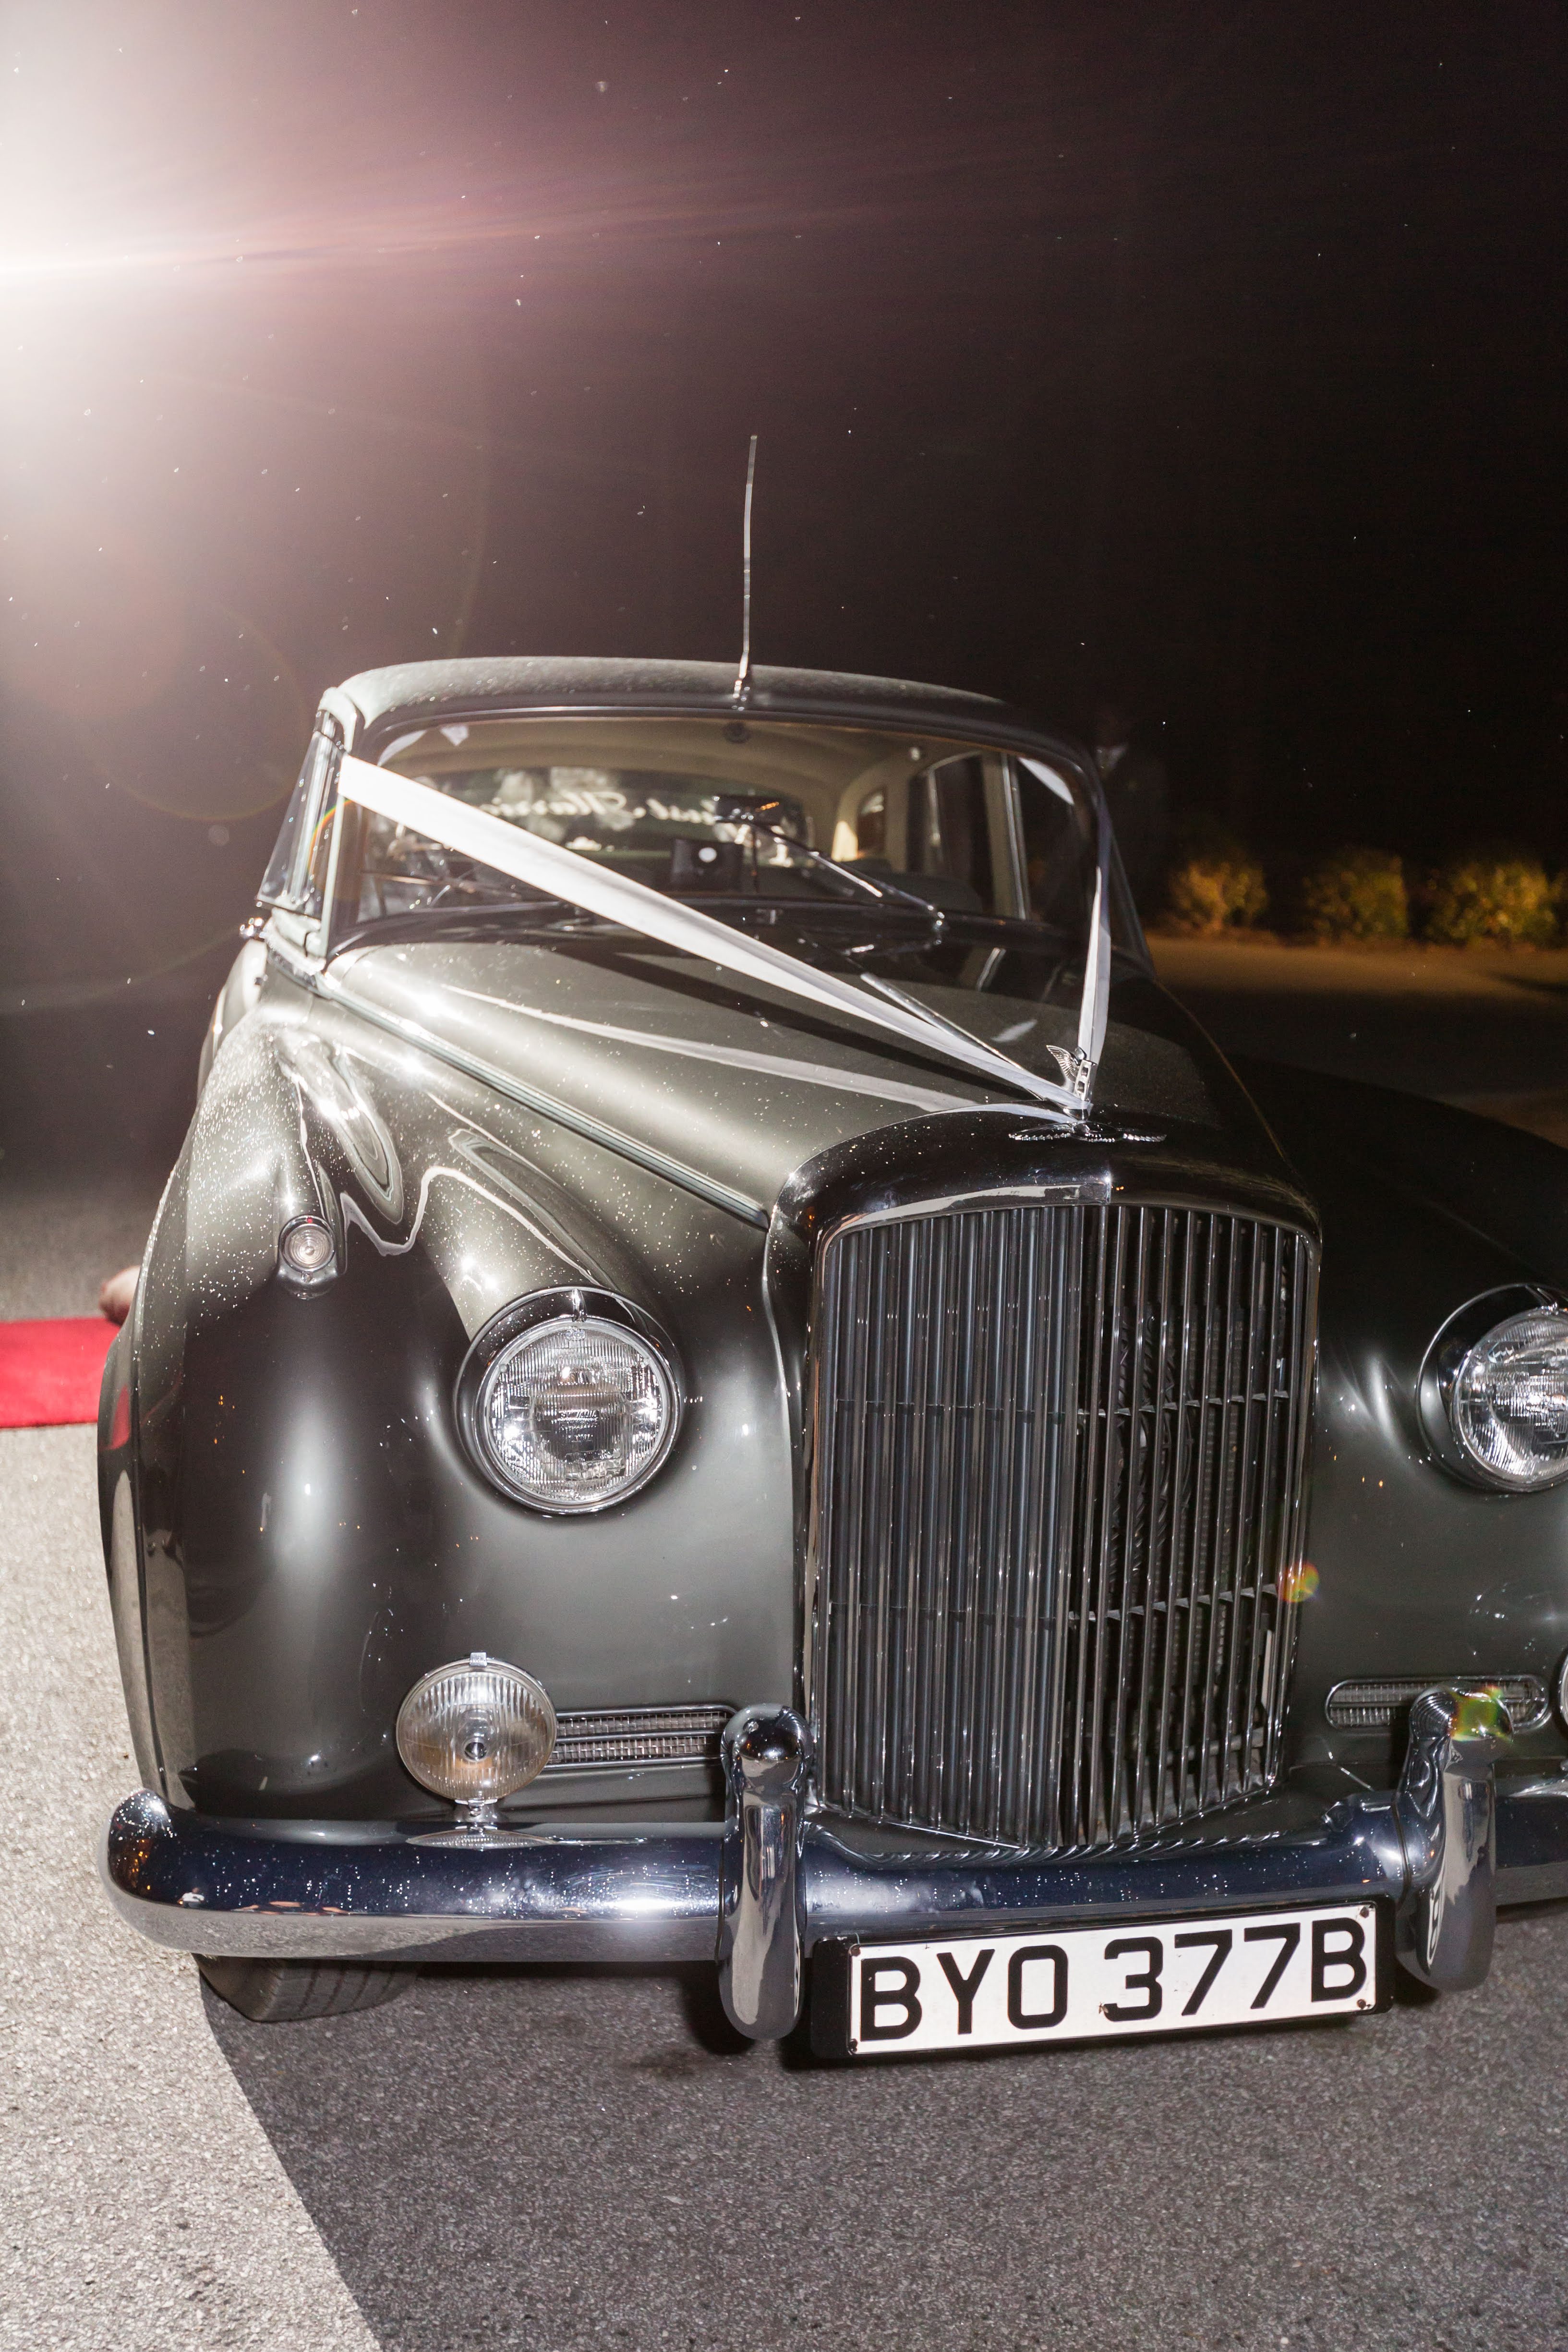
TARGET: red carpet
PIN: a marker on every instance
(49, 1372)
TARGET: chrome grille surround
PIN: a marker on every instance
(1059, 1455)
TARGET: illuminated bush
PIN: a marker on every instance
(1493, 895)
(1215, 884)
(1356, 893)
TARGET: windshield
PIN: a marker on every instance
(848, 829)
(847, 867)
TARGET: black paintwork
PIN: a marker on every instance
(294, 1528)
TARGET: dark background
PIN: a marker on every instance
(1209, 356)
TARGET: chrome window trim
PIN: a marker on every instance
(1017, 861)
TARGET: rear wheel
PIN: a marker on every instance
(285, 1993)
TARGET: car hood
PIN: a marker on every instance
(740, 1086)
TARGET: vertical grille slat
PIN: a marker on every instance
(1060, 1455)
(1221, 1590)
(1134, 1523)
(1156, 1581)
(1175, 1629)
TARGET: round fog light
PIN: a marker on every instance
(475, 1731)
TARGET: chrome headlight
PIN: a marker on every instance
(1494, 1392)
(571, 1400)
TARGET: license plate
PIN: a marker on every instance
(1083, 1984)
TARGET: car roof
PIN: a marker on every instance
(551, 682)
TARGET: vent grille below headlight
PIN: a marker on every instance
(1372, 1706)
(638, 1735)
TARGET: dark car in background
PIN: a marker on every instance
(723, 1375)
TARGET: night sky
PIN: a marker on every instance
(1208, 357)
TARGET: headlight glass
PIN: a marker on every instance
(576, 1412)
(1509, 1399)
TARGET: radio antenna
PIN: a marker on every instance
(743, 674)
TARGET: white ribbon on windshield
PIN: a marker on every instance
(564, 874)
(1093, 1005)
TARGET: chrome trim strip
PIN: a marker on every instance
(1018, 856)
(344, 709)
(1050, 1192)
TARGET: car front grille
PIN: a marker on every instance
(1057, 1501)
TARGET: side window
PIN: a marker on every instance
(316, 836)
(289, 869)
(275, 882)
(870, 833)
(1058, 860)
(948, 830)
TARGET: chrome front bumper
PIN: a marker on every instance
(757, 1892)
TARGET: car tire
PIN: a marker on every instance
(286, 1992)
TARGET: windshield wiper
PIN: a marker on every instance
(736, 808)
(887, 893)
(504, 919)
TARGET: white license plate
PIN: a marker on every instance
(1081, 1984)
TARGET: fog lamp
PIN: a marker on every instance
(475, 1731)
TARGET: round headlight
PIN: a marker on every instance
(574, 1411)
(475, 1731)
(1509, 1399)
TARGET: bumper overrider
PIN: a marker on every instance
(759, 1891)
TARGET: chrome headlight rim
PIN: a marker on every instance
(523, 1315)
(1465, 1330)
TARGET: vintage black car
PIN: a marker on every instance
(723, 1375)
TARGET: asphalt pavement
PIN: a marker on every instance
(1486, 1027)
(142, 2205)
(586, 2158)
